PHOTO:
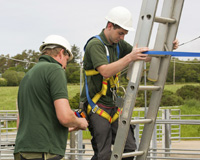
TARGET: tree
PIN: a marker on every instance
(26, 60)
(21, 62)
(185, 71)
(3, 63)
(20, 76)
(77, 54)
(73, 73)
(73, 68)
(11, 77)
(74, 102)
(3, 82)
(189, 92)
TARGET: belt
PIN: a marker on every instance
(39, 156)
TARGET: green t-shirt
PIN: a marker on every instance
(95, 56)
(39, 129)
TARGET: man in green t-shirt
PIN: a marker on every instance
(45, 115)
(105, 56)
(110, 44)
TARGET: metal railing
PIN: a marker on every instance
(168, 128)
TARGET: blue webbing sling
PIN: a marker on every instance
(174, 54)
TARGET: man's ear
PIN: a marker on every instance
(60, 54)
(110, 25)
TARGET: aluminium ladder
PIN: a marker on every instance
(166, 34)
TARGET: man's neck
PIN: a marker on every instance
(106, 33)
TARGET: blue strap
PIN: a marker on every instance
(174, 54)
(92, 104)
(98, 37)
(118, 51)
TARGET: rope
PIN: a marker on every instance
(17, 60)
(189, 41)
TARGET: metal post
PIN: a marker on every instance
(145, 92)
(72, 145)
(167, 134)
(174, 73)
(163, 130)
(154, 141)
(81, 73)
(80, 144)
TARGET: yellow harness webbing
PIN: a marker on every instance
(113, 83)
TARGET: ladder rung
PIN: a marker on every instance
(141, 121)
(157, 55)
(150, 88)
(131, 154)
(194, 122)
(164, 20)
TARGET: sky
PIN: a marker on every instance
(24, 24)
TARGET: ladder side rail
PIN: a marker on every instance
(138, 31)
(146, 17)
(156, 95)
(146, 23)
(178, 7)
(160, 40)
(154, 67)
(152, 113)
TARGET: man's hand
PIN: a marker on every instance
(136, 54)
(175, 44)
(83, 125)
(73, 129)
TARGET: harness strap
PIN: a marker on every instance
(91, 72)
(94, 108)
(104, 114)
(113, 83)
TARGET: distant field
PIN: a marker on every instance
(8, 95)
(173, 88)
(8, 98)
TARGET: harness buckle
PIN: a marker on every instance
(95, 109)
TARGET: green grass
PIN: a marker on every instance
(8, 95)
(8, 98)
(73, 89)
(190, 107)
(175, 87)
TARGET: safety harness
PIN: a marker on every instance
(114, 83)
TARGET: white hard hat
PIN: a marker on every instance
(53, 40)
(122, 17)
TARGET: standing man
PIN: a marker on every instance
(44, 111)
(105, 56)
